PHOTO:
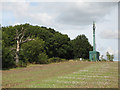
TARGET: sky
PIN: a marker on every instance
(68, 17)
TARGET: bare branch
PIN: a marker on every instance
(13, 49)
(22, 29)
(23, 34)
(28, 39)
(19, 34)
(16, 34)
(16, 31)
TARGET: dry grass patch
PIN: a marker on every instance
(73, 74)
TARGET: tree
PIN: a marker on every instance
(59, 46)
(34, 52)
(109, 57)
(81, 47)
(101, 57)
(27, 43)
(7, 57)
(112, 57)
(20, 39)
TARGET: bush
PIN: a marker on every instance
(86, 60)
(55, 59)
(33, 51)
(76, 59)
(42, 59)
(22, 64)
(7, 58)
(63, 59)
(104, 60)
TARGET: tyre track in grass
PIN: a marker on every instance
(24, 76)
(97, 75)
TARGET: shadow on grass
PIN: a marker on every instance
(11, 68)
(5, 68)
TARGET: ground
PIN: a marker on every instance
(71, 74)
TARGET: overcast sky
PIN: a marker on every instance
(71, 18)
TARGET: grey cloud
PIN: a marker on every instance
(109, 34)
(83, 14)
(74, 15)
(62, 13)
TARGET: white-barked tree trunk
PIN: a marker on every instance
(20, 39)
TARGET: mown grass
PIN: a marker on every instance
(75, 74)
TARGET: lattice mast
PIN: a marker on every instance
(94, 46)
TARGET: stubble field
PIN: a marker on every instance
(72, 74)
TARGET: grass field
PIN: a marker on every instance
(72, 74)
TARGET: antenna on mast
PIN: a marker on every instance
(94, 25)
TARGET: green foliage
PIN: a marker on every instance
(104, 60)
(8, 36)
(55, 59)
(81, 47)
(59, 46)
(22, 64)
(48, 46)
(7, 58)
(42, 59)
(109, 57)
(101, 57)
(31, 50)
(112, 57)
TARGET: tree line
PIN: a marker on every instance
(25, 43)
(109, 56)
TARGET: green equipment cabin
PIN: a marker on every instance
(94, 55)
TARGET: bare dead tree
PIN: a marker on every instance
(20, 39)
